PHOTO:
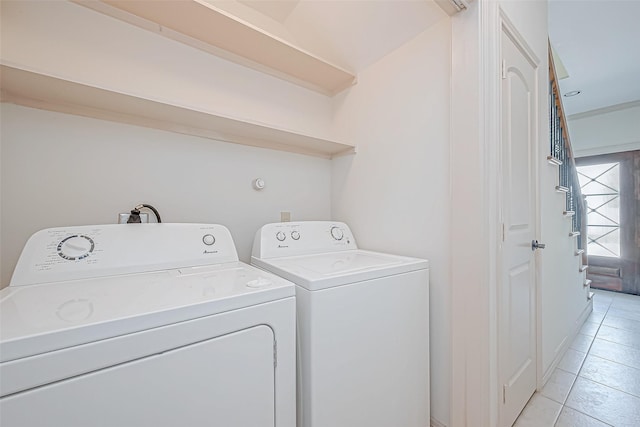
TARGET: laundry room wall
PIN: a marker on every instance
(61, 170)
(395, 192)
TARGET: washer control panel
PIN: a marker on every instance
(69, 253)
(301, 238)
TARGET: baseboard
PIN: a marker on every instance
(567, 343)
(436, 423)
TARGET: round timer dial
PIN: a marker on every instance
(76, 247)
(337, 233)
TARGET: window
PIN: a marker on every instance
(600, 184)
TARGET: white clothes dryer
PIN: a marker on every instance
(144, 325)
(363, 326)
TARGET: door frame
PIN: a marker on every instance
(475, 128)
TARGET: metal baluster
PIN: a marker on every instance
(556, 139)
(567, 174)
(558, 129)
(551, 121)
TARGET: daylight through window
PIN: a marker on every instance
(600, 184)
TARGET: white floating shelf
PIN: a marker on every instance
(47, 92)
(204, 26)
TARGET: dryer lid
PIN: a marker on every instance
(39, 318)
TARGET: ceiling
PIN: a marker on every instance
(598, 41)
(351, 34)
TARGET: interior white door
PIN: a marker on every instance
(517, 307)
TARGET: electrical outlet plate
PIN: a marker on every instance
(285, 216)
(123, 217)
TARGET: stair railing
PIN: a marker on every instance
(561, 154)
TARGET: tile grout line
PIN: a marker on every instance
(607, 386)
(564, 403)
(615, 361)
(601, 323)
(610, 308)
(621, 345)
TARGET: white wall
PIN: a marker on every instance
(530, 18)
(60, 170)
(562, 295)
(187, 179)
(609, 130)
(394, 193)
(470, 250)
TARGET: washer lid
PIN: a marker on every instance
(40, 318)
(321, 271)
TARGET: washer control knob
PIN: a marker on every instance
(75, 247)
(208, 239)
(281, 236)
(295, 235)
(337, 233)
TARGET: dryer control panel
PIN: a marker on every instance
(82, 252)
(302, 238)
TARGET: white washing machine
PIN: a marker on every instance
(144, 325)
(363, 326)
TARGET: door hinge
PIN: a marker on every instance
(504, 69)
(504, 394)
(275, 354)
(504, 232)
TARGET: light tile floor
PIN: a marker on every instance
(597, 382)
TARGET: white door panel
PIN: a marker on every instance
(517, 352)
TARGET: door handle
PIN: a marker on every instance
(535, 245)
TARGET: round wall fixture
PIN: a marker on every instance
(572, 93)
(258, 183)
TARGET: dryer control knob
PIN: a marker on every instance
(337, 233)
(281, 236)
(75, 247)
(295, 235)
(208, 239)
